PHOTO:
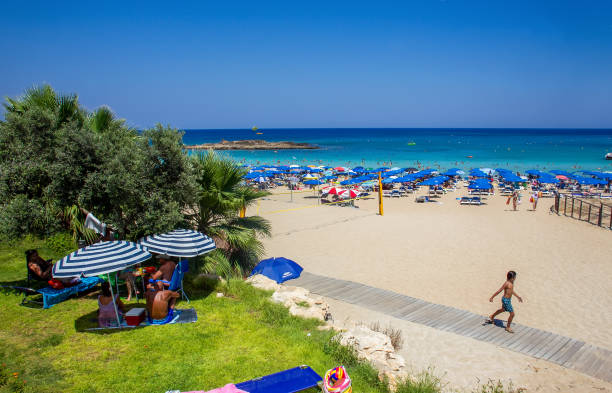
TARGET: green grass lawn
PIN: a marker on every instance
(238, 337)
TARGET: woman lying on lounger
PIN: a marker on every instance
(41, 269)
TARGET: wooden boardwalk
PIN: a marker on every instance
(565, 351)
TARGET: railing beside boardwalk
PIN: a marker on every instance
(596, 213)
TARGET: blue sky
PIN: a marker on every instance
(320, 64)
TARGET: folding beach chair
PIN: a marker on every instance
(176, 282)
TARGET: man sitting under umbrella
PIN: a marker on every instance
(164, 273)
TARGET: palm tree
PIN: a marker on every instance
(65, 107)
(221, 196)
(103, 119)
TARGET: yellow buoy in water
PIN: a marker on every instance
(254, 128)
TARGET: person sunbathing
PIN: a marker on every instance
(38, 267)
(42, 269)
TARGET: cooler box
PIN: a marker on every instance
(134, 316)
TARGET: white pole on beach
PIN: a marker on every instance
(114, 303)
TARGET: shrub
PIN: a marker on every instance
(61, 243)
(425, 382)
(397, 341)
(22, 216)
(497, 387)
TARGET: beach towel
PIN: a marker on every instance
(188, 315)
(91, 222)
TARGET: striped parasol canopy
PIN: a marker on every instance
(100, 258)
(179, 243)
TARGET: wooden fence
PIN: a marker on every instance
(596, 213)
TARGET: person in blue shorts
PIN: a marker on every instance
(508, 288)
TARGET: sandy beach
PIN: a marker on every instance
(458, 256)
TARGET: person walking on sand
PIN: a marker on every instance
(534, 199)
(508, 288)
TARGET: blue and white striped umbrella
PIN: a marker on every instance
(100, 258)
(179, 243)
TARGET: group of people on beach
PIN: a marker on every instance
(515, 197)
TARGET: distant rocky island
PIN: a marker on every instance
(253, 144)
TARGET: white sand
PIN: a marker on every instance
(458, 256)
(463, 363)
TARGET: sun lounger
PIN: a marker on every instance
(465, 201)
(293, 380)
(476, 201)
(422, 199)
(395, 194)
(51, 297)
(387, 193)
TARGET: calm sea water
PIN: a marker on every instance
(517, 149)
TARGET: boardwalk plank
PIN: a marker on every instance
(568, 352)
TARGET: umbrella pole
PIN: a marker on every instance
(114, 303)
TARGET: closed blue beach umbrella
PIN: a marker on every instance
(278, 269)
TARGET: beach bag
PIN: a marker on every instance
(337, 381)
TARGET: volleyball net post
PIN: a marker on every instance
(380, 195)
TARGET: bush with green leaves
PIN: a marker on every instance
(57, 157)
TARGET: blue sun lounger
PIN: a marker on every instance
(51, 297)
(293, 380)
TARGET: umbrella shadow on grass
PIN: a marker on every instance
(89, 321)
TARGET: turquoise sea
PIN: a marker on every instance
(516, 149)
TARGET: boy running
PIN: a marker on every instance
(508, 289)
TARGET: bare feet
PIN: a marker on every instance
(509, 330)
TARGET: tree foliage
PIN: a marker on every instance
(221, 195)
(57, 157)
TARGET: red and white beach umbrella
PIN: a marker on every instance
(333, 190)
(346, 194)
(340, 169)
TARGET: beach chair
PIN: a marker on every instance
(176, 282)
(387, 193)
(295, 379)
(395, 194)
(465, 201)
(476, 201)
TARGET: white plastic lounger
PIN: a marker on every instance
(476, 201)
(465, 201)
